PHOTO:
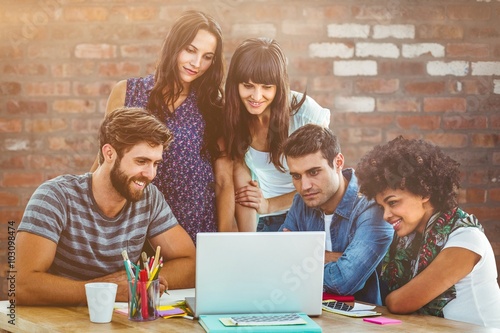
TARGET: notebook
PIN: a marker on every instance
(258, 272)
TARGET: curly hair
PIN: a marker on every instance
(413, 165)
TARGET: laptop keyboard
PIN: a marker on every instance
(337, 305)
(267, 319)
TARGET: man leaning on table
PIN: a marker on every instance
(327, 199)
(75, 227)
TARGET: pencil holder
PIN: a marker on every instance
(143, 300)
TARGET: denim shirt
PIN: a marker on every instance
(359, 231)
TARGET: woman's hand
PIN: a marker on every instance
(251, 196)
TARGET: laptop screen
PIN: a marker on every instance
(259, 272)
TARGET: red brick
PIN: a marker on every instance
(495, 121)
(11, 215)
(318, 66)
(376, 13)
(72, 144)
(95, 51)
(121, 69)
(25, 69)
(484, 213)
(26, 107)
(358, 136)
(93, 89)
(368, 119)
(10, 125)
(467, 50)
(77, 106)
(38, 51)
(330, 83)
(418, 122)
(398, 68)
(461, 197)
(471, 158)
(468, 12)
(464, 122)
(475, 195)
(63, 163)
(440, 31)
(136, 13)
(479, 86)
(453, 104)
(484, 103)
(425, 88)
(69, 32)
(325, 99)
(483, 32)
(79, 69)
(415, 13)
(485, 140)
(494, 194)
(8, 199)
(22, 179)
(141, 51)
(477, 176)
(391, 135)
(149, 32)
(377, 86)
(352, 154)
(46, 125)
(12, 162)
(496, 158)
(397, 105)
(447, 139)
(10, 88)
(85, 14)
(496, 51)
(86, 125)
(52, 88)
(330, 12)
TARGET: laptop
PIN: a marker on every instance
(258, 272)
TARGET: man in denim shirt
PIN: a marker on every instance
(357, 237)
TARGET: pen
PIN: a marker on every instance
(144, 294)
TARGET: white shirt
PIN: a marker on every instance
(271, 181)
(478, 293)
(328, 239)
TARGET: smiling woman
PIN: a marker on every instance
(440, 262)
(185, 93)
(260, 112)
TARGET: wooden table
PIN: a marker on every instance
(76, 319)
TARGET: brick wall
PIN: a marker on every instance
(425, 69)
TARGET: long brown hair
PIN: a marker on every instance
(168, 86)
(260, 60)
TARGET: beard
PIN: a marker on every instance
(123, 184)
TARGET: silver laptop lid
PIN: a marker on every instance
(259, 272)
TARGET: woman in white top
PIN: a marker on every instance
(440, 261)
(260, 113)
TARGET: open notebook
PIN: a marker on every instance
(258, 272)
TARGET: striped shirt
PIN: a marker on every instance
(89, 244)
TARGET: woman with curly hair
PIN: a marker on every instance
(440, 261)
(260, 112)
(185, 92)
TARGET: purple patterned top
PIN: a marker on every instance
(185, 178)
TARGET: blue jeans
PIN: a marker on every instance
(271, 223)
